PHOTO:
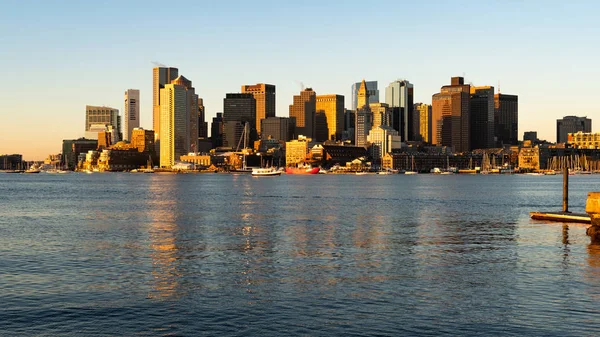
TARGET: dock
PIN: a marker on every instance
(561, 217)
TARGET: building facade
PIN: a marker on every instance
(382, 140)
(239, 108)
(399, 95)
(161, 76)
(506, 119)
(571, 124)
(202, 124)
(381, 114)
(584, 140)
(73, 148)
(333, 108)
(131, 113)
(424, 111)
(174, 117)
(107, 116)
(296, 150)
(482, 117)
(216, 130)
(372, 91)
(264, 94)
(530, 136)
(303, 110)
(142, 140)
(278, 128)
(450, 116)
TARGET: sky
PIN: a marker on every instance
(59, 56)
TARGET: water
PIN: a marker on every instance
(212, 254)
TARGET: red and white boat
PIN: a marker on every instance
(302, 170)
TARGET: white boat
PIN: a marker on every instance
(362, 173)
(265, 172)
(411, 172)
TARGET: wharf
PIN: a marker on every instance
(561, 217)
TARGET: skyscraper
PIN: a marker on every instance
(371, 90)
(481, 116)
(131, 112)
(107, 116)
(303, 110)
(202, 124)
(191, 102)
(399, 95)
(174, 117)
(161, 76)
(450, 116)
(424, 111)
(280, 128)
(381, 114)
(264, 94)
(571, 124)
(238, 108)
(333, 107)
(216, 130)
(506, 119)
(364, 116)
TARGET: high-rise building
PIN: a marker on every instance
(381, 114)
(174, 119)
(506, 119)
(372, 91)
(161, 76)
(571, 124)
(333, 107)
(383, 139)
(279, 128)
(424, 111)
(303, 110)
(202, 124)
(349, 125)
(264, 94)
(450, 116)
(321, 130)
(482, 117)
(363, 117)
(131, 113)
(216, 130)
(399, 95)
(95, 115)
(232, 135)
(191, 101)
(142, 140)
(239, 108)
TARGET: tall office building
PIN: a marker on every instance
(424, 111)
(372, 91)
(383, 139)
(191, 102)
(381, 114)
(279, 128)
(174, 119)
(202, 124)
(571, 124)
(399, 95)
(333, 108)
(363, 117)
(107, 116)
(131, 113)
(216, 130)
(482, 117)
(161, 76)
(303, 110)
(506, 119)
(238, 108)
(264, 94)
(349, 123)
(450, 116)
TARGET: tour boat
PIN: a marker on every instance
(302, 170)
(265, 172)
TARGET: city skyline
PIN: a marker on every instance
(69, 73)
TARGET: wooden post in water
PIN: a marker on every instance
(566, 189)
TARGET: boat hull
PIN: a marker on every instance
(293, 170)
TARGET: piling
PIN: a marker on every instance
(565, 190)
(592, 207)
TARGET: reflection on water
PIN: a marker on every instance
(324, 255)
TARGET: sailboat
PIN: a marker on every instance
(412, 166)
(244, 138)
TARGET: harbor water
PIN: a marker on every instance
(234, 255)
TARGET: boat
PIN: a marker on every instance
(550, 173)
(362, 173)
(384, 172)
(32, 171)
(265, 172)
(302, 170)
(411, 172)
(446, 172)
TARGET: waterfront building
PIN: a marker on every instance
(240, 108)
(174, 119)
(340, 153)
(216, 130)
(202, 124)
(142, 140)
(383, 139)
(107, 116)
(197, 159)
(450, 116)
(11, 162)
(481, 114)
(529, 158)
(571, 124)
(333, 108)
(161, 76)
(424, 112)
(73, 148)
(303, 110)
(584, 140)
(278, 128)
(372, 91)
(106, 130)
(296, 150)
(120, 159)
(264, 95)
(381, 114)
(530, 136)
(506, 119)
(131, 113)
(399, 95)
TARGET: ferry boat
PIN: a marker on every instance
(265, 172)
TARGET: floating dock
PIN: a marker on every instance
(561, 217)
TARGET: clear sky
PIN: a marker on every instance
(58, 56)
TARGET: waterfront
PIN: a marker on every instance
(215, 254)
